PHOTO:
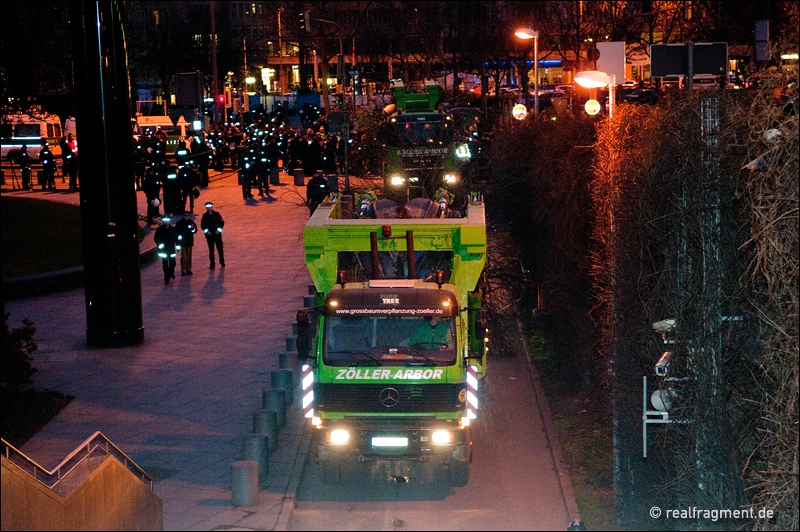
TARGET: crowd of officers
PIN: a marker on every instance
(69, 165)
(257, 152)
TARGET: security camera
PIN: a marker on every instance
(663, 326)
(662, 366)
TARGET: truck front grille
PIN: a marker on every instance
(423, 162)
(387, 398)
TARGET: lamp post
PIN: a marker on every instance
(525, 34)
(595, 79)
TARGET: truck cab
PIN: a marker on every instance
(395, 347)
(423, 149)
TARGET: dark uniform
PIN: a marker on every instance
(202, 155)
(69, 164)
(212, 223)
(151, 186)
(187, 176)
(48, 167)
(247, 172)
(263, 165)
(171, 188)
(139, 163)
(24, 161)
(182, 154)
(316, 190)
(166, 239)
(188, 180)
(186, 229)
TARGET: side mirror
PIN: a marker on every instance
(306, 331)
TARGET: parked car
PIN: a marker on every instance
(564, 90)
(641, 95)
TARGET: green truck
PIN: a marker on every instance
(425, 150)
(373, 387)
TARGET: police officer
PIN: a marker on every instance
(48, 167)
(24, 161)
(151, 186)
(248, 170)
(202, 155)
(316, 190)
(166, 239)
(188, 181)
(212, 223)
(139, 163)
(157, 150)
(263, 165)
(186, 228)
(187, 175)
(182, 154)
(69, 163)
(171, 188)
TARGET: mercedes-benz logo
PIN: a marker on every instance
(389, 397)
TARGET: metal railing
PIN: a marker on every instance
(94, 444)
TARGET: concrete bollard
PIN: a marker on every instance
(275, 399)
(299, 177)
(244, 483)
(282, 378)
(274, 176)
(291, 344)
(256, 448)
(265, 421)
(286, 360)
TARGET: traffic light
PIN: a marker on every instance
(305, 21)
(221, 99)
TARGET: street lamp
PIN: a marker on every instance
(339, 61)
(525, 34)
(595, 79)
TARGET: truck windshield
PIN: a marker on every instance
(389, 341)
(418, 130)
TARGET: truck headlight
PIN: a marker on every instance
(441, 437)
(339, 437)
(462, 152)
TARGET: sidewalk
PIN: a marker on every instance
(181, 403)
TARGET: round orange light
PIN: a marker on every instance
(519, 111)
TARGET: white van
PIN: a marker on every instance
(33, 131)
